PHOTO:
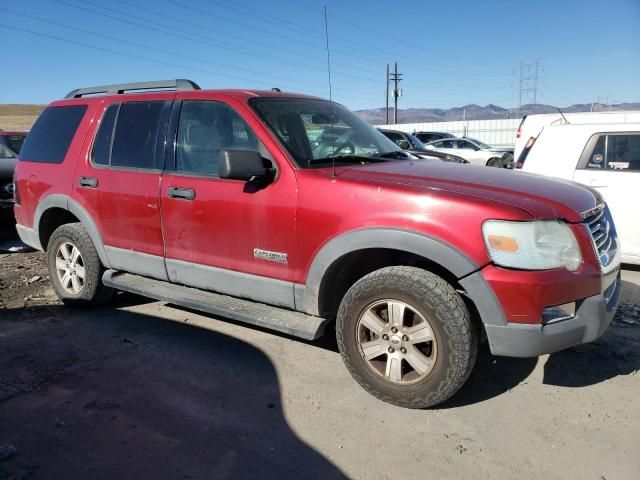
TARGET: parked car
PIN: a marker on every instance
(217, 200)
(404, 140)
(10, 145)
(605, 157)
(473, 151)
(427, 137)
(8, 159)
(12, 140)
(532, 125)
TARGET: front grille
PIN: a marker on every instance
(603, 233)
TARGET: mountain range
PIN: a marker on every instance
(476, 112)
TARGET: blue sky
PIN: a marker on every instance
(451, 52)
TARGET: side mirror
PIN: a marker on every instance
(241, 165)
(404, 144)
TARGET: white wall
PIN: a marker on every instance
(500, 133)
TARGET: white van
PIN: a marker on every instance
(532, 125)
(603, 156)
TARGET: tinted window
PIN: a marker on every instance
(464, 145)
(446, 144)
(415, 142)
(102, 145)
(393, 136)
(205, 128)
(50, 137)
(623, 152)
(14, 142)
(6, 153)
(596, 158)
(135, 135)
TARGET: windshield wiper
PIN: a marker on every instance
(344, 159)
(394, 154)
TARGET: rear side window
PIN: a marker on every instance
(50, 137)
(618, 152)
(102, 146)
(134, 140)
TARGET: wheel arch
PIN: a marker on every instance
(348, 257)
(56, 210)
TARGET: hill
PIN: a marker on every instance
(19, 116)
(476, 112)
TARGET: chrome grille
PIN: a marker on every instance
(603, 233)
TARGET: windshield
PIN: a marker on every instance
(14, 142)
(6, 153)
(315, 131)
(479, 143)
(415, 142)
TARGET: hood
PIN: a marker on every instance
(542, 197)
(7, 166)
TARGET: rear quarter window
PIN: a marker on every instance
(50, 137)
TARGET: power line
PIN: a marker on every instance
(134, 56)
(155, 49)
(172, 30)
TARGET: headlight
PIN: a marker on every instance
(540, 245)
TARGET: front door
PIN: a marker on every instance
(612, 166)
(229, 236)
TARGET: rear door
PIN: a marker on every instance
(119, 183)
(224, 235)
(611, 164)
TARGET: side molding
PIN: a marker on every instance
(456, 262)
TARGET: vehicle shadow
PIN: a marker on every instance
(492, 376)
(616, 353)
(109, 394)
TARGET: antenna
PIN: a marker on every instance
(333, 140)
(565, 118)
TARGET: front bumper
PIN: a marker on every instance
(591, 319)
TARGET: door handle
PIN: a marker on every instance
(184, 193)
(89, 182)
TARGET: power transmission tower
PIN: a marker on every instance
(529, 84)
(395, 77)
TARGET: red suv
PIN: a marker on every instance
(289, 212)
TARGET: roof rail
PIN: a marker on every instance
(178, 84)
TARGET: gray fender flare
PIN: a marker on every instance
(448, 257)
(67, 203)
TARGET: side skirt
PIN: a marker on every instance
(286, 321)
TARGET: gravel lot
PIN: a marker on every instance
(123, 393)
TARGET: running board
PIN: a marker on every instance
(274, 318)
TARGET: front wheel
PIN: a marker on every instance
(75, 268)
(495, 162)
(406, 336)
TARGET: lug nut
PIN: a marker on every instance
(405, 338)
(403, 350)
(394, 330)
(391, 350)
(385, 337)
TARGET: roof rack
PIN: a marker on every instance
(178, 84)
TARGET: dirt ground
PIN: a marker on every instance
(147, 390)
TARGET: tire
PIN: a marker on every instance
(494, 162)
(432, 303)
(87, 289)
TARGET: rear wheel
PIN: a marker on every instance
(406, 336)
(75, 268)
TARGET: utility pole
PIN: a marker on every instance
(387, 97)
(529, 84)
(396, 78)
